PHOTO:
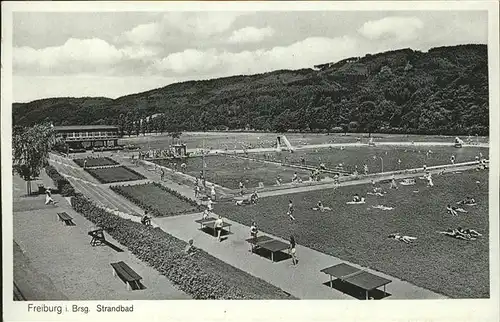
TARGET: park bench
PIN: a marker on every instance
(127, 274)
(97, 237)
(68, 220)
(357, 277)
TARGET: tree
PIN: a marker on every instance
(31, 148)
(369, 117)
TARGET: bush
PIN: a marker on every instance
(63, 185)
(166, 254)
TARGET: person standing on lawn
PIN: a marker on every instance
(84, 163)
(452, 159)
(162, 176)
(393, 183)
(292, 250)
(290, 211)
(241, 188)
(197, 191)
(212, 192)
(218, 227)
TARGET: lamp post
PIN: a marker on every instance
(382, 160)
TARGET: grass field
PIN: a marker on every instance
(158, 200)
(95, 162)
(239, 140)
(411, 157)
(229, 171)
(358, 233)
(115, 174)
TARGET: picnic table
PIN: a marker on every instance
(202, 222)
(67, 219)
(255, 241)
(97, 237)
(126, 273)
(356, 276)
(211, 225)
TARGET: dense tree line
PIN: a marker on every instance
(444, 90)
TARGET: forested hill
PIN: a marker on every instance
(444, 90)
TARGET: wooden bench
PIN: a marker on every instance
(97, 237)
(68, 220)
(127, 274)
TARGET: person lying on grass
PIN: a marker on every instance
(252, 200)
(320, 207)
(408, 182)
(382, 207)
(454, 210)
(467, 201)
(356, 200)
(399, 237)
(459, 233)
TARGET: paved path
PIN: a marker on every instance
(66, 262)
(304, 281)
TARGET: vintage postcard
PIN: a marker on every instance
(270, 160)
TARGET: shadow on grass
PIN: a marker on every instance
(355, 291)
(278, 256)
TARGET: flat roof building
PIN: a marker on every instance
(88, 137)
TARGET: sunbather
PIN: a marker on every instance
(454, 210)
(405, 239)
(320, 207)
(455, 233)
(356, 198)
(467, 201)
(382, 207)
(408, 182)
(361, 201)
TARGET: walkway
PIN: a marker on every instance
(304, 281)
(86, 273)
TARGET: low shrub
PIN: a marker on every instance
(62, 184)
(165, 253)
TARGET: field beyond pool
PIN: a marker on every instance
(358, 233)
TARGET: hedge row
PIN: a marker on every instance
(154, 211)
(63, 185)
(165, 253)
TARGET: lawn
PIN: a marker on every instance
(115, 174)
(411, 157)
(229, 171)
(159, 200)
(239, 140)
(96, 162)
(358, 233)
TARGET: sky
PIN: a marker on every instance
(113, 54)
